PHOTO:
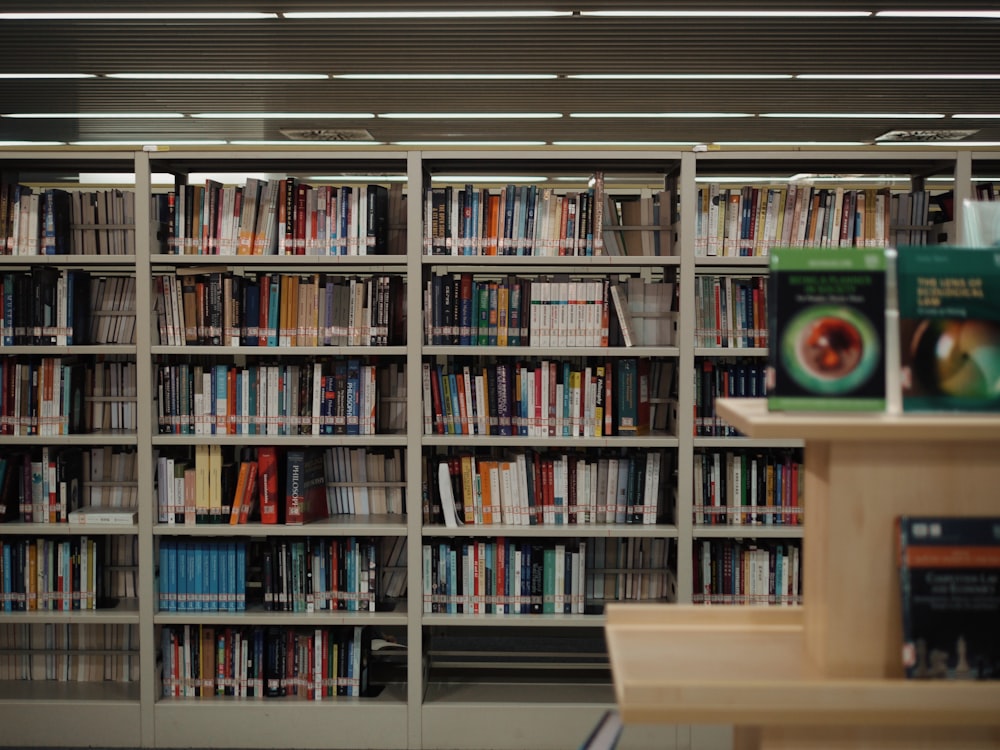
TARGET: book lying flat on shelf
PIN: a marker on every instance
(826, 318)
(94, 515)
(950, 585)
(949, 328)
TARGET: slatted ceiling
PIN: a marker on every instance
(561, 45)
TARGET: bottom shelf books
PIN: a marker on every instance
(538, 577)
(69, 653)
(734, 571)
(265, 662)
(950, 576)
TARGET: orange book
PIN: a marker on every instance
(492, 224)
(485, 490)
(239, 496)
(250, 496)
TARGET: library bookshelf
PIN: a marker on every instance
(462, 675)
(830, 672)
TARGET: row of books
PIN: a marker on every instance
(756, 489)
(530, 488)
(537, 399)
(63, 652)
(282, 217)
(42, 396)
(50, 306)
(66, 396)
(261, 484)
(70, 484)
(329, 397)
(734, 571)
(202, 576)
(751, 220)
(723, 378)
(106, 402)
(319, 575)
(731, 311)
(503, 576)
(466, 310)
(51, 221)
(42, 574)
(257, 662)
(629, 569)
(514, 220)
(278, 309)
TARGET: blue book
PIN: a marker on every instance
(273, 309)
(239, 566)
(8, 604)
(212, 590)
(353, 399)
(199, 552)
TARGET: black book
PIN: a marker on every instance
(950, 585)
(378, 220)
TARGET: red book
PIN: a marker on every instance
(249, 501)
(267, 470)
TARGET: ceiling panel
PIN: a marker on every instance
(560, 46)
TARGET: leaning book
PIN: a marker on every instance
(826, 320)
(949, 328)
(950, 583)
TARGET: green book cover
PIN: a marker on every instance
(826, 317)
(949, 328)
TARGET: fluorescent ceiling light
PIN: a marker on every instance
(528, 179)
(676, 76)
(468, 143)
(790, 143)
(419, 14)
(969, 116)
(34, 76)
(32, 143)
(470, 116)
(356, 178)
(283, 115)
(137, 16)
(92, 115)
(447, 76)
(938, 13)
(939, 144)
(728, 13)
(742, 179)
(306, 144)
(855, 115)
(122, 178)
(899, 76)
(176, 76)
(669, 115)
(625, 143)
(150, 142)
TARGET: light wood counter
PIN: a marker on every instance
(827, 674)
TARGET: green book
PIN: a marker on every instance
(949, 328)
(826, 317)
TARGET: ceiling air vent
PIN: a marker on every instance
(925, 136)
(326, 134)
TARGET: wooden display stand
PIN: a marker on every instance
(828, 674)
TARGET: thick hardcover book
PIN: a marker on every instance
(950, 575)
(826, 318)
(949, 328)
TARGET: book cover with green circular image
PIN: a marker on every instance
(827, 317)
